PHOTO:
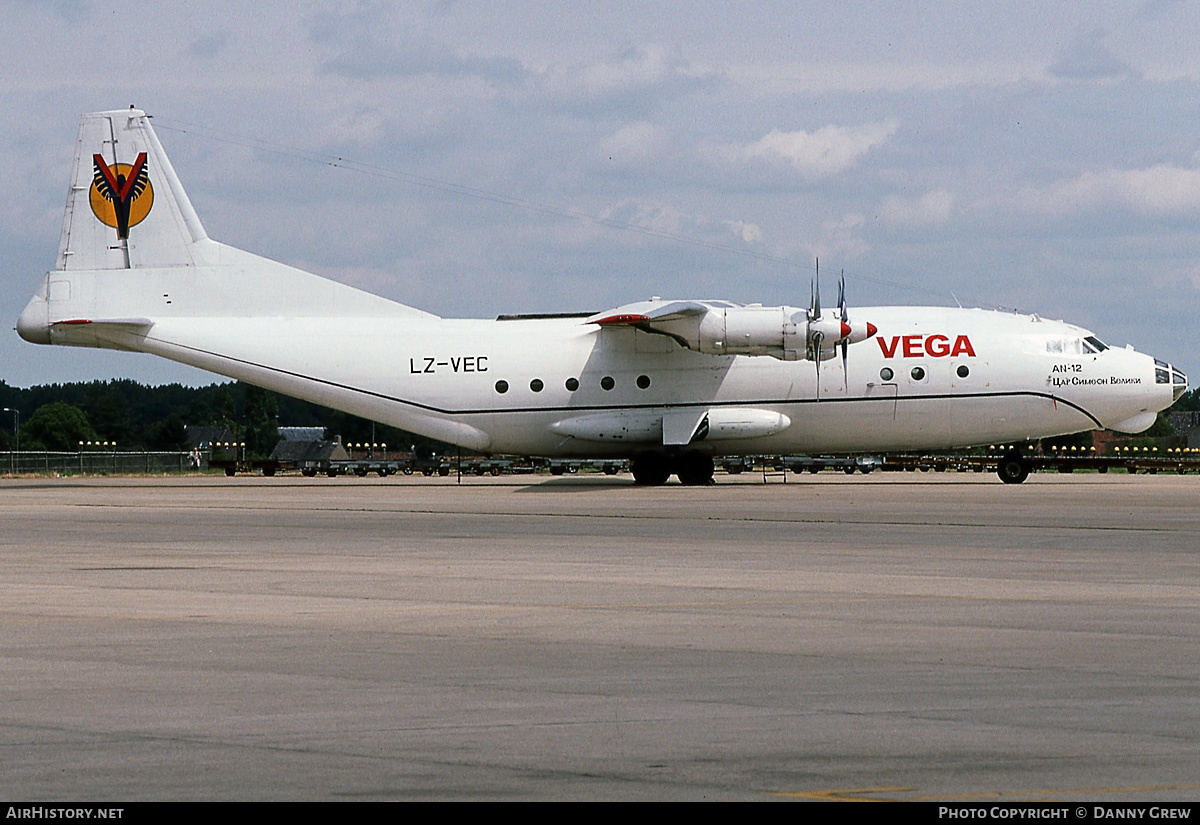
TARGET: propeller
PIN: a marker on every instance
(814, 291)
(838, 330)
(844, 316)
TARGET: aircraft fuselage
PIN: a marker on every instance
(671, 383)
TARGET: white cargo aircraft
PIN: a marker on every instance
(669, 384)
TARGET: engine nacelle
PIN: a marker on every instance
(780, 332)
(718, 328)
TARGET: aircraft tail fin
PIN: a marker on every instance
(126, 208)
(127, 211)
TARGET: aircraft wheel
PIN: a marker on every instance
(495, 471)
(408, 471)
(268, 471)
(611, 469)
(230, 471)
(382, 472)
(443, 471)
(556, 469)
(308, 472)
(1013, 469)
(650, 469)
(695, 469)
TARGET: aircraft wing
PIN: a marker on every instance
(646, 314)
(683, 321)
(716, 327)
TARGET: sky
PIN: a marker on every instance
(473, 159)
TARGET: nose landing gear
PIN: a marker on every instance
(1013, 468)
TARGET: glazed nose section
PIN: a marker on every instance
(1164, 373)
(1179, 384)
(33, 325)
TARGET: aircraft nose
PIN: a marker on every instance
(1164, 373)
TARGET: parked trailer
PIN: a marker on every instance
(610, 467)
(815, 464)
(1178, 463)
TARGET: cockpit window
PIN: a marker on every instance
(1094, 344)
(1066, 346)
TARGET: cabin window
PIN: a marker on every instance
(918, 373)
(502, 386)
(1095, 343)
(963, 371)
(886, 374)
(536, 385)
(572, 384)
(643, 382)
(1161, 376)
(607, 382)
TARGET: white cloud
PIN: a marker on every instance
(634, 143)
(651, 65)
(1158, 190)
(930, 209)
(838, 241)
(1088, 58)
(645, 75)
(825, 152)
(748, 232)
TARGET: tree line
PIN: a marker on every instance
(139, 417)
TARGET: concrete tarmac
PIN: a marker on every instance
(898, 636)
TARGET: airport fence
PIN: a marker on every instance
(93, 462)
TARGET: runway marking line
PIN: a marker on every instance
(847, 794)
(640, 516)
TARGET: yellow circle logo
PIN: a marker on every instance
(121, 194)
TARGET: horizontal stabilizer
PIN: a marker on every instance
(131, 323)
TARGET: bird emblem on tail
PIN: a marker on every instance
(121, 194)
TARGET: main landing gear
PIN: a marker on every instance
(695, 469)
